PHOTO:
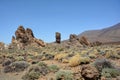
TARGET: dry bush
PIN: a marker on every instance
(16, 66)
(36, 71)
(74, 61)
(77, 60)
(60, 56)
(64, 75)
(7, 62)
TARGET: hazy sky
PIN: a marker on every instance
(45, 17)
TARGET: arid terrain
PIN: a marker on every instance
(78, 58)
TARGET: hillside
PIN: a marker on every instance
(110, 34)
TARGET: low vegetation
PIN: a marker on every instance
(62, 62)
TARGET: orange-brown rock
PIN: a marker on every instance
(84, 41)
(24, 37)
(73, 37)
(89, 72)
(39, 42)
(13, 40)
(58, 37)
(21, 35)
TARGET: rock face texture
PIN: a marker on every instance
(84, 41)
(58, 37)
(24, 37)
(89, 72)
(74, 39)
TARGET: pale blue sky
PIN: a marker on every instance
(45, 17)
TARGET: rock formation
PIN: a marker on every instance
(89, 72)
(84, 41)
(74, 39)
(58, 37)
(24, 37)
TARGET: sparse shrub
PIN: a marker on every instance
(19, 58)
(77, 59)
(49, 56)
(39, 56)
(31, 76)
(110, 73)
(53, 68)
(84, 60)
(84, 52)
(112, 56)
(74, 61)
(65, 61)
(34, 72)
(64, 75)
(7, 69)
(102, 63)
(7, 62)
(16, 66)
(92, 56)
(61, 49)
(19, 65)
(41, 70)
(60, 56)
(42, 64)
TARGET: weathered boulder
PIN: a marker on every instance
(84, 41)
(89, 72)
(58, 37)
(73, 37)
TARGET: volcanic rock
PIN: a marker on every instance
(58, 37)
(84, 41)
(24, 37)
(89, 72)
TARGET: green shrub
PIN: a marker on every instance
(42, 64)
(64, 75)
(19, 58)
(110, 73)
(19, 65)
(103, 63)
(31, 76)
(34, 72)
(16, 66)
(53, 68)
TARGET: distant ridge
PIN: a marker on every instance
(106, 35)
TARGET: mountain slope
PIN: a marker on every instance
(110, 34)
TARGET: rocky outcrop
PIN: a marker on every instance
(89, 72)
(58, 37)
(24, 37)
(74, 39)
(84, 41)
